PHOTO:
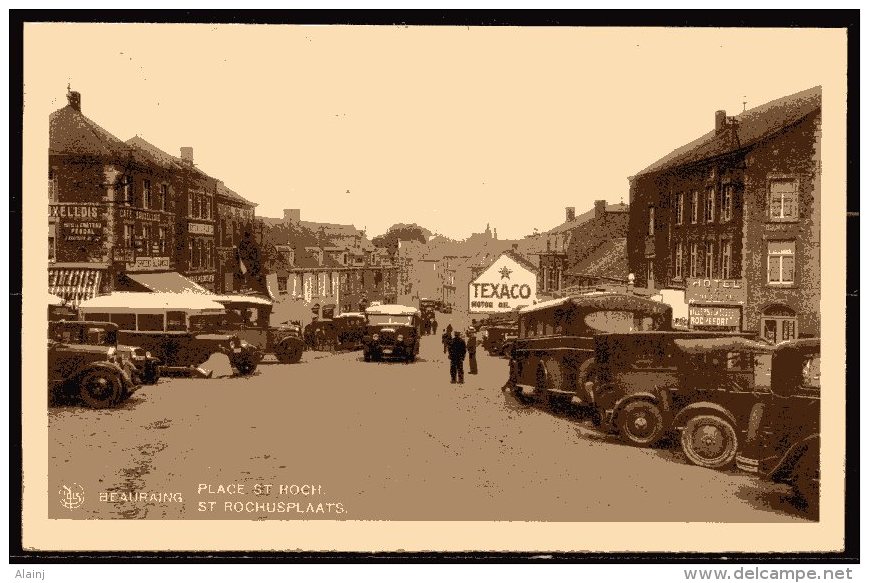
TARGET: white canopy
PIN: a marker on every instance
(241, 299)
(392, 310)
(121, 302)
(55, 300)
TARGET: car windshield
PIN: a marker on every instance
(379, 319)
(205, 323)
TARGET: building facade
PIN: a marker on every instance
(732, 222)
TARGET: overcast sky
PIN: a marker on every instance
(448, 127)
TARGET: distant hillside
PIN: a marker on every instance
(401, 232)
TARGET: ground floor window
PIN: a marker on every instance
(778, 323)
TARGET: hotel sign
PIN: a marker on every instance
(715, 316)
(504, 286)
(716, 291)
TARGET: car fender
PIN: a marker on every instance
(785, 470)
(702, 406)
(611, 415)
(126, 381)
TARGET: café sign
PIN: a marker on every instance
(715, 316)
(504, 286)
(716, 291)
(148, 263)
(142, 215)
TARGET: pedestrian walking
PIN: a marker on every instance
(445, 338)
(472, 351)
(457, 350)
(434, 326)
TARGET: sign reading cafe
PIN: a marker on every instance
(504, 286)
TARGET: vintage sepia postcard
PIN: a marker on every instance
(367, 288)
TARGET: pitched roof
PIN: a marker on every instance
(71, 132)
(226, 192)
(752, 126)
(609, 260)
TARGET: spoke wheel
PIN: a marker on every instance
(709, 441)
(100, 389)
(641, 423)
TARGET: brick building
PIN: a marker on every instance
(730, 223)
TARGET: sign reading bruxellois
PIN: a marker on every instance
(715, 291)
(504, 286)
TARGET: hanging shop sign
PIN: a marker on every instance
(200, 229)
(715, 316)
(716, 291)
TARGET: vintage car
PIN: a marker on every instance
(248, 317)
(59, 309)
(783, 439)
(84, 363)
(349, 330)
(499, 336)
(391, 330)
(554, 352)
(699, 384)
(320, 334)
(181, 329)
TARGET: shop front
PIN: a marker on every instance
(715, 304)
(76, 283)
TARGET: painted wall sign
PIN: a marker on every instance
(142, 215)
(715, 316)
(716, 291)
(504, 286)
(82, 230)
(93, 211)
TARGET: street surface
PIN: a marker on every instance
(334, 437)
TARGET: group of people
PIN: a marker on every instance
(430, 325)
(456, 347)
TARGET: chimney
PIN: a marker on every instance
(599, 208)
(74, 98)
(569, 213)
(294, 215)
(720, 121)
(187, 155)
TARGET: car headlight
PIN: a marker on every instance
(147, 354)
(399, 337)
(375, 337)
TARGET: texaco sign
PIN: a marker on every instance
(503, 287)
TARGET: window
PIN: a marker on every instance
(146, 193)
(709, 207)
(695, 206)
(651, 221)
(190, 254)
(146, 237)
(197, 263)
(189, 204)
(779, 323)
(210, 254)
(164, 196)
(151, 322)
(124, 321)
(780, 262)
(51, 252)
(176, 322)
(783, 200)
(710, 260)
(727, 203)
(694, 270)
(726, 255)
(677, 271)
(207, 207)
(128, 236)
(161, 233)
(282, 285)
(127, 188)
(680, 205)
(650, 274)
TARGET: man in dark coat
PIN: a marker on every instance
(434, 326)
(472, 351)
(458, 349)
(445, 340)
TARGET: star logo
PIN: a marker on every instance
(505, 273)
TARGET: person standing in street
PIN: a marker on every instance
(472, 351)
(445, 339)
(457, 351)
(434, 326)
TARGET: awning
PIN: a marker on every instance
(74, 285)
(727, 343)
(167, 281)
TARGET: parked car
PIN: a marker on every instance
(320, 334)
(391, 330)
(698, 384)
(248, 317)
(350, 329)
(554, 352)
(498, 338)
(181, 329)
(84, 363)
(783, 438)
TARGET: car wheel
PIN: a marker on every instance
(289, 354)
(641, 423)
(245, 365)
(100, 389)
(709, 441)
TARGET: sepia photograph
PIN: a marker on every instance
(418, 288)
